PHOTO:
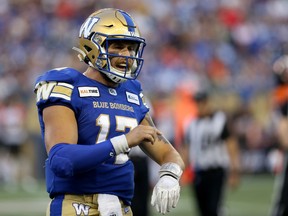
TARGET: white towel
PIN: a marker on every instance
(109, 205)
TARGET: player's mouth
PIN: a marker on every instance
(122, 67)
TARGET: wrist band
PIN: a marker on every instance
(171, 169)
(120, 144)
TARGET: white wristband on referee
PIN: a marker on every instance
(120, 144)
(171, 169)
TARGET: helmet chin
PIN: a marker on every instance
(119, 76)
(116, 75)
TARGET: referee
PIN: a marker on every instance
(212, 152)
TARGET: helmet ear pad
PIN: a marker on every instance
(94, 53)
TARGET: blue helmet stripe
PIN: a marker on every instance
(129, 21)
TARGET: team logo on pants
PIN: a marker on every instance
(81, 208)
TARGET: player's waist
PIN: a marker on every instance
(117, 181)
(85, 198)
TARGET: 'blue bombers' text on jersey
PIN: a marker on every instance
(101, 113)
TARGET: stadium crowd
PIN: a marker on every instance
(227, 46)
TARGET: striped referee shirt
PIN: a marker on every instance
(206, 139)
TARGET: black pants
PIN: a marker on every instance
(141, 195)
(280, 207)
(208, 188)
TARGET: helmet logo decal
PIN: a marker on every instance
(129, 21)
(87, 26)
(132, 33)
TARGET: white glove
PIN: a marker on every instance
(166, 194)
(109, 205)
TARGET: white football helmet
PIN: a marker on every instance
(98, 31)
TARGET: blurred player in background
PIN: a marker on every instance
(212, 152)
(91, 120)
(280, 68)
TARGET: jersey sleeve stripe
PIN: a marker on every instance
(60, 96)
(62, 90)
(66, 85)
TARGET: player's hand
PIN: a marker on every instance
(142, 134)
(166, 194)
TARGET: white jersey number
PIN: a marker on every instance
(122, 123)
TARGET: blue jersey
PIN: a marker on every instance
(101, 113)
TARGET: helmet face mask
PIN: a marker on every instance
(133, 63)
(99, 31)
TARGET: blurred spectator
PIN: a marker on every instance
(14, 167)
(35, 141)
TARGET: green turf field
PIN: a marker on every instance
(252, 198)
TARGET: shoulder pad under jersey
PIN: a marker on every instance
(133, 84)
(65, 74)
(56, 87)
(136, 83)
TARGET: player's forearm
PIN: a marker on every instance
(162, 152)
(173, 157)
(68, 159)
(184, 152)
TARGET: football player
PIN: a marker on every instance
(91, 120)
(280, 95)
